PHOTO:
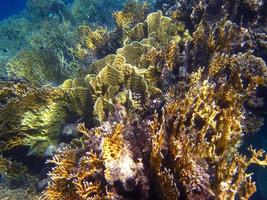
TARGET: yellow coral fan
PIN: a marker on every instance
(157, 30)
(90, 39)
(132, 13)
(114, 73)
(38, 115)
(78, 95)
(36, 66)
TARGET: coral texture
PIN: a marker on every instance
(157, 108)
(190, 144)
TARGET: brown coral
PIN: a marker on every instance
(93, 174)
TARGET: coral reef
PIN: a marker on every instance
(157, 108)
(96, 12)
(32, 109)
(12, 170)
(6, 193)
(35, 66)
(190, 146)
(196, 139)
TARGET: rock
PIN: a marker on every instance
(70, 130)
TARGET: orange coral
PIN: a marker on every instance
(203, 129)
(91, 40)
(132, 13)
(91, 174)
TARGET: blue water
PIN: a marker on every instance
(11, 7)
(259, 141)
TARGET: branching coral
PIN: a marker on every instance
(199, 135)
(191, 145)
(132, 13)
(91, 44)
(171, 110)
(93, 175)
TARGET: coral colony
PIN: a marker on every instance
(155, 106)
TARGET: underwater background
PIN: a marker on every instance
(12, 7)
(133, 99)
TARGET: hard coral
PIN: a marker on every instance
(190, 146)
(36, 66)
(132, 13)
(95, 12)
(182, 144)
(93, 175)
(32, 109)
(195, 139)
(199, 135)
